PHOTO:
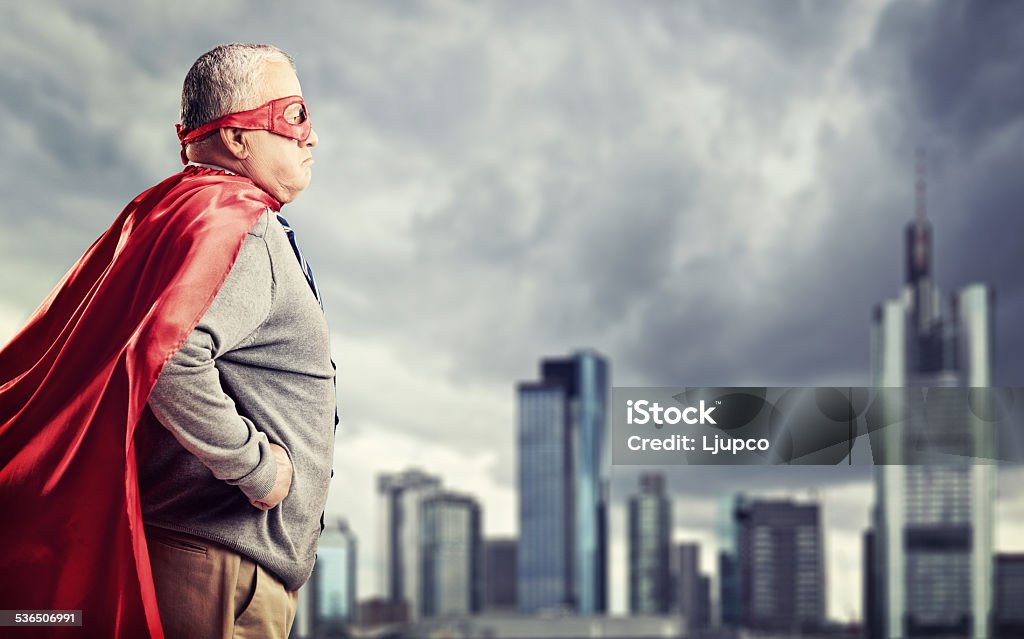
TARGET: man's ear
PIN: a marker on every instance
(234, 140)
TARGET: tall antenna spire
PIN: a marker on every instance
(921, 214)
(919, 231)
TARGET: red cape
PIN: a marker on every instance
(73, 387)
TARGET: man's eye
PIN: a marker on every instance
(295, 114)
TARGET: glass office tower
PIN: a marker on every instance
(691, 590)
(1008, 614)
(500, 590)
(563, 479)
(334, 578)
(649, 522)
(451, 555)
(401, 496)
(544, 562)
(730, 605)
(781, 568)
(933, 520)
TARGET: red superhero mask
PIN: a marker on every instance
(284, 116)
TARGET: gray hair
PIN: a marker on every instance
(225, 80)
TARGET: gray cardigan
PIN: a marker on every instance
(257, 369)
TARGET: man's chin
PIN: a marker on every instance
(292, 194)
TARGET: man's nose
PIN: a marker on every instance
(313, 138)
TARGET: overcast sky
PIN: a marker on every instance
(709, 193)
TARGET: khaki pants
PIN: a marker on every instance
(207, 591)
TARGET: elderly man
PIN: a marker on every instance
(250, 394)
(186, 349)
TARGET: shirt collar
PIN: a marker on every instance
(211, 166)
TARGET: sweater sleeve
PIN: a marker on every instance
(189, 399)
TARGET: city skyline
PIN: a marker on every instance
(708, 194)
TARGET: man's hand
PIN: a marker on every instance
(282, 484)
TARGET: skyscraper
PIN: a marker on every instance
(451, 555)
(650, 537)
(932, 520)
(500, 575)
(691, 589)
(872, 614)
(401, 496)
(730, 603)
(562, 559)
(333, 592)
(702, 615)
(781, 565)
(545, 577)
(1008, 614)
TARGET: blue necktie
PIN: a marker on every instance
(307, 270)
